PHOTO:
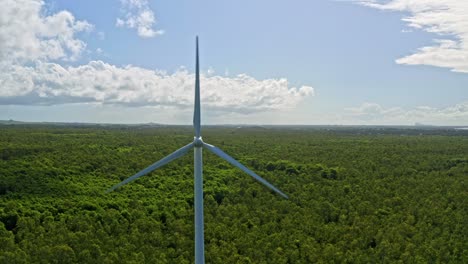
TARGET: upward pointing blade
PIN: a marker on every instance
(174, 155)
(196, 113)
(234, 162)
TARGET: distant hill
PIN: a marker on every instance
(75, 124)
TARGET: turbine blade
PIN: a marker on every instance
(196, 112)
(237, 164)
(176, 154)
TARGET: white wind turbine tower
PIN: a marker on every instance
(198, 145)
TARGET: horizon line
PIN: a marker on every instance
(416, 124)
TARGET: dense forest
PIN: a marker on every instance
(357, 195)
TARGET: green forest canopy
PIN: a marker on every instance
(357, 195)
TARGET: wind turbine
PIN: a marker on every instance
(198, 145)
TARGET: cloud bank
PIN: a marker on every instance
(100, 82)
(372, 113)
(446, 18)
(35, 49)
(139, 16)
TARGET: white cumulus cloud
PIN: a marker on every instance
(100, 82)
(138, 15)
(35, 49)
(446, 18)
(26, 34)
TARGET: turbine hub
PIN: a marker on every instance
(197, 142)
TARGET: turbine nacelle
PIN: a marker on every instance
(198, 142)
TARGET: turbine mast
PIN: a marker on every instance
(199, 222)
(198, 173)
(196, 112)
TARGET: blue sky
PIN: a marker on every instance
(264, 62)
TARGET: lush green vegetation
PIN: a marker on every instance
(357, 195)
